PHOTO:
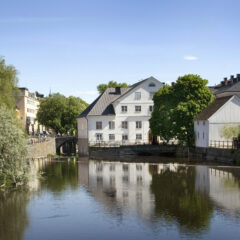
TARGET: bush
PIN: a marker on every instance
(13, 149)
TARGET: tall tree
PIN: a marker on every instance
(111, 84)
(8, 84)
(59, 113)
(176, 106)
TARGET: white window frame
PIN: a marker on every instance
(111, 125)
(138, 96)
(138, 108)
(124, 124)
(124, 109)
(138, 136)
(138, 124)
(110, 137)
(98, 127)
(99, 137)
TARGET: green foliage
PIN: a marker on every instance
(230, 132)
(59, 113)
(8, 84)
(175, 108)
(176, 198)
(111, 84)
(12, 149)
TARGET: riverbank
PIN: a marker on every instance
(226, 156)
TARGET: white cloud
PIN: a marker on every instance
(190, 58)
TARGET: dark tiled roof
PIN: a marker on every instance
(103, 104)
(235, 87)
(212, 108)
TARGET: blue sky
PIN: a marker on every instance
(71, 46)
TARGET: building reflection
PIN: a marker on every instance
(162, 192)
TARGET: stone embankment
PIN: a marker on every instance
(41, 149)
(227, 156)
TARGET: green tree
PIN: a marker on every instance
(59, 113)
(111, 84)
(176, 106)
(8, 84)
(229, 132)
(12, 149)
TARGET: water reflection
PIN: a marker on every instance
(174, 193)
(154, 198)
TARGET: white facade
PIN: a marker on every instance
(27, 104)
(209, 131)
(134, 108)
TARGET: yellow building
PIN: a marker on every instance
(27, 104)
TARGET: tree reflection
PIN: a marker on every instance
(176, 198)
(13, 216)
(57, 176)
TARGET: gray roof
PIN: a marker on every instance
(103, 104)
(235, 87)
(212, 108)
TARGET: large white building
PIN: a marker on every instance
(118, 116)
(209, 124)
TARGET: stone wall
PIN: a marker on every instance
(227, 156)
(39, 150)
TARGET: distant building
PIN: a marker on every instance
(119, 116)
(228, 87)
(27, 105)
(208, 124)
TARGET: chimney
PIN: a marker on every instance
(225, 81)
(172, 83)
(222, 83)
(118, 90)
(238, 77)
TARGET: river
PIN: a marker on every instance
(78, 199)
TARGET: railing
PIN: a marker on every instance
(114, 143)
(34, 140)
(221, 144)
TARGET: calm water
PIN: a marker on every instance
(115, 200)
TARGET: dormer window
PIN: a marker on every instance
(152, 84)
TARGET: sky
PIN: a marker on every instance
(71, 46)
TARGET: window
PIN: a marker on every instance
(138, 136)
(137, 108)
(137, 95)
(98, 125)
(198, 135)
(151, 94)
(124, 108)
(30, 110)
(150, 108)
(111, 137)
(125, 124)
(138, 124)
(152, 84)
(197, 122)
(203, 122)
(111, 125)
(99, 136)
(125, 137)
(203, 135)
(139, 167)
(125, 167)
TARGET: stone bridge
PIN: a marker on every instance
(66, 144)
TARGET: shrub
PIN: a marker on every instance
(13, 149)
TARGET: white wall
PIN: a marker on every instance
(130, 116)
(118, 131)
(201, 130)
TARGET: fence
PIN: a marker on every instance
(114, 143)
(34, 140)
(221, 144)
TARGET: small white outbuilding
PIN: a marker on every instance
(209, 124)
